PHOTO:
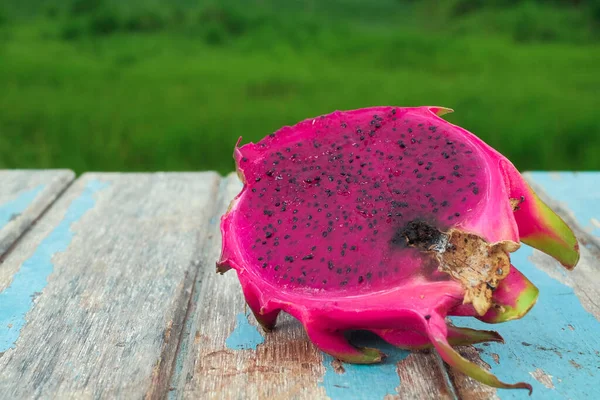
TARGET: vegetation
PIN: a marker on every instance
(123, 86)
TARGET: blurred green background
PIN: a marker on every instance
(138, 85)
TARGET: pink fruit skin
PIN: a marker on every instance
(312, 231)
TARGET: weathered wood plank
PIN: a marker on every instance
(103, 280)
(224, 355)
(24, 195)
(556, 347)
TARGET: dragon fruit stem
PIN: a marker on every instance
(467, 336)
(414, 340)
(437, 334)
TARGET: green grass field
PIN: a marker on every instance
(80, 93)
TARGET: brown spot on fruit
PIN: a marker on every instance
(477, 264)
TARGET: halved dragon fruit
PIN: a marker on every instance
(386, 219)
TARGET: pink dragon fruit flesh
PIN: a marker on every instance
(386, 219)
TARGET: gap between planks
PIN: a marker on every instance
(133, 315)
(49, 193)
(169, 370)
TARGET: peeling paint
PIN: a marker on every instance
(543, 378)
(15, 207)
(244, 336)
(542, 340)
(358, 382)
(496, 358)
(32, 277)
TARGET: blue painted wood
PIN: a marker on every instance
(558, 341)
(359, 382)
(14, 208)
(578, 191)
(558, 337)
(24, 195)
(17, 299)
(244, 336)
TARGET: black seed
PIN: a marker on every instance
(264, 265)
(444, 203)
(475, 190)
(427, 317)
(360, 279)
(308, 257)
(268, 234)
(457, 214)
(324, 234)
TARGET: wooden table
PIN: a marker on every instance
(108, 290)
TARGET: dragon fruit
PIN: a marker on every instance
(386, 219)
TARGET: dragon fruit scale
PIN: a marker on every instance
(386, 219)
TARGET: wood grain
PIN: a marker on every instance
(282, 364)
(118, 297)
(117, 256)
(24, 195)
